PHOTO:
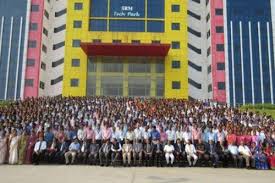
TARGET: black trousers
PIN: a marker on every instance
(37, 157)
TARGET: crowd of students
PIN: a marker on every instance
(134, 132)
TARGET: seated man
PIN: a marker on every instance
(191, 153)
(245, 153)
(39, 150)
(116, 150)
(148, 152)
(234, 154)
(203, 155)
(74, 148)
(84, 152)
(212, 150)
(158, 153)
(137, 152)
(93, 152)
(169, 150)
(62, 148)
(179, 150)
(104, 152)
(127, 149)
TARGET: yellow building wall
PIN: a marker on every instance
(168, 36)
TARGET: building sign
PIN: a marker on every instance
(127, 8)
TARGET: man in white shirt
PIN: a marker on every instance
(245, 154)
(233, 151)
(191, 153)
(39, 150)
(127, 149)
(168, 150)
(171, 135)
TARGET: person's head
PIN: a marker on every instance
(40, 137)
(169, 142)
(114, 140)
(242, 143)
(126, 141)
(178, 141)
(75, 140)
(188, 141)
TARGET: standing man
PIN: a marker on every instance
(168, 150)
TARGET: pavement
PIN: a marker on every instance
(93, 174)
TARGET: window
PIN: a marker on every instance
(74, 82)
(98, 25)
(220, 66)
(208, 34)
(155, 26)
(44, 48)
(175, 26)
(76, 43)
(175, 45)
(42, 85)
(30, 62)
(77, 24)
(29, 82)
(127, 26)
(99, 8)
(43, 66)
(78, 6)
(221, 85)
(96, 40)
(208, 17)
(219, 29)
(160, 68)
(45, 31)
(34, 8)
(208, 51)
(58, 45)
(209, 69)
(46, 14)
(210, 88)
(175, 64)
(219, 11)
(155, 8)
(33, 26)
(57, 80)
(32, 44)
(175, 85)
(135, 41)
(175, 8)
(116, 41)
(75, 62)
(58, 62)
(61, 28)
(155, 41)
(60, 13)
(220, 47)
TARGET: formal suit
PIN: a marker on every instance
(158, 153)
(62, 148)
(212, 151)
(84, 152)
(148, 153)
(179, 151)
(104, 153)
(137, 152)
(116, 150)
(93, 153)
(127, 153)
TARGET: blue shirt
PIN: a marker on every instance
(74, 146)
(49, 137)
(155, 135)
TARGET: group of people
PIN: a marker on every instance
(134, 132)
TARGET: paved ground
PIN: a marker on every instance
(87, 174)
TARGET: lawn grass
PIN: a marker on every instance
(269, 109)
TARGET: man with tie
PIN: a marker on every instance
(62, 149)
(179, 150)
(148, 152)
(211, 148)
(39, 150)
(84, 152)
(116, 150)
(104, 153)
(127, 149)
(137, 152)
(158, 153)
(74, 148)
(93, 152)
(169, 156)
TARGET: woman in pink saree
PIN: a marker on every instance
(30, 145)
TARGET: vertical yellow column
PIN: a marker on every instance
(153, 77)
(98, 76)
(125, 78)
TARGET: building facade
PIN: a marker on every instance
(223, 50)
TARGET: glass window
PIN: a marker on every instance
(92, 64)
(57, 80)
(220, 66)
(155, 9)
(160, 68)
(78, 6)
(160, 87)
(209, 69)
(99, 8)
(112, 64)
(139, 65)
(58, 62)
(29, 82)
(34, 8)
(76, 43)
(91, 85)
(220, 47)
(74, 82)
(221, 85)
(77, 24)
(175, 45)
(127, 8)
(175, 26)
(44, 48)
(219, 29)
(42, 85)
(46, 14)
(33, 26)
(127, 25)
(175, 8)
(58, 45)
(175, 64)
(43, 66)
(45, 31)
(209, 88)
(75, 62)
(98, 25)
(30, 62)
(139, 86)
(32, 44)
(219, 11)
(155, 26)
(112, 86)
(176, 85)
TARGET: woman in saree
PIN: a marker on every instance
(23, 147)
(13, 151)
(3, 148)
(30, 145)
